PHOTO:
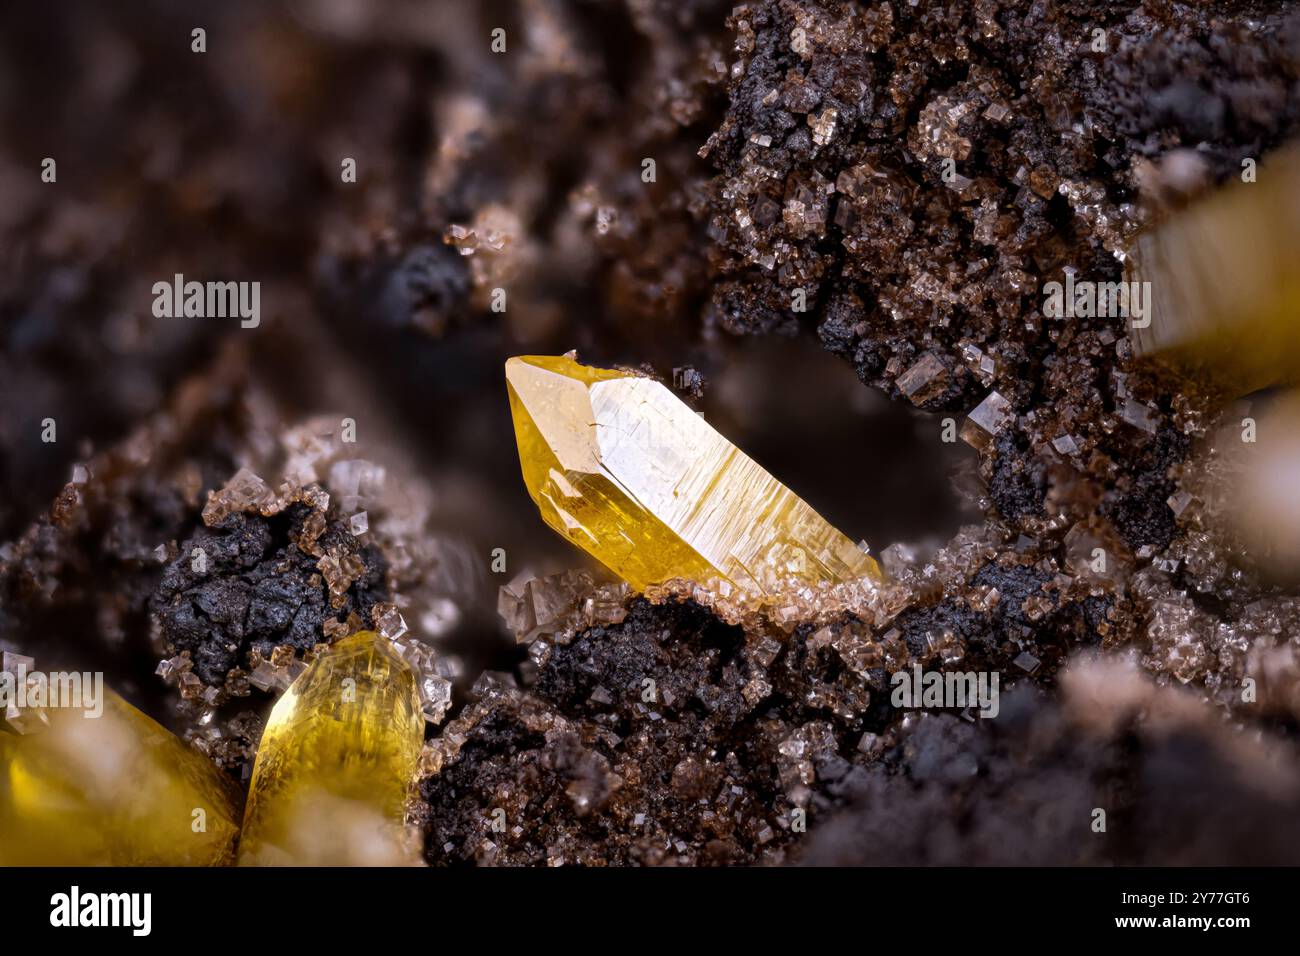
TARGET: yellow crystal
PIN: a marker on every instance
(629, 473)
(336, 762)
(115, 789)
(1224, 280)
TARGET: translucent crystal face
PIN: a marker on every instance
(112, 790)
(629, 473)
(335, 762)
(1224, 281)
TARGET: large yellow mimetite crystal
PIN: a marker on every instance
(111, 790)
(629, 473)
(336, 761)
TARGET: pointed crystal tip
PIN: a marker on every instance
(336, 760)
(625, 470)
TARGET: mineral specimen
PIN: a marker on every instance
(335, 762)
(626, 471)
(919, 170)
(554, 605)
(113, 789)
(1224, 276)
(262, 583)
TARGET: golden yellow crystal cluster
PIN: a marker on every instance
(625, 470)
(329, 783)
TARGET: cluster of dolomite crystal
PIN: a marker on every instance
(836, 164)
(660, 735)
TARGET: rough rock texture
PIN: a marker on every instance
(919, 172)
(1111, 769)
(75, 587)
(669, 738)
(258, 589)
(747, 738)
(833, 176)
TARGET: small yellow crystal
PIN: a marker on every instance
(336, 761)
(115, 789)
(629, 473)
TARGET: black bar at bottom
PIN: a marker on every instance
(247, 907)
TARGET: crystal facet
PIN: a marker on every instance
(115, 789)
(629, 473)
(336, 760)
(1224, 280)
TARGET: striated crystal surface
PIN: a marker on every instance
(115, 789)
(1224, 280)
(629, 473)
(336, 760)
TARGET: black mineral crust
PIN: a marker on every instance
(246, 585)
(669, 738)
(1025, 791)
(747, 740)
